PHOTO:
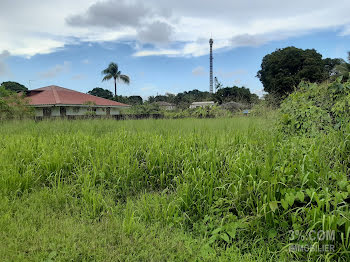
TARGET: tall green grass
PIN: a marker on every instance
(229, 189)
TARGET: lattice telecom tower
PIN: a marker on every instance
(211, 42)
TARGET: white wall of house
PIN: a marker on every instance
(168, 107)
(100, 111)
(76, 111)
(55, 111)
(38, 111)
(115, 111)
(202, 104)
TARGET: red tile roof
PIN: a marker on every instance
(55, 95)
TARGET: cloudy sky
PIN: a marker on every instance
(162, 45)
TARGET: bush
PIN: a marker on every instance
(199, 112)
(13, 105)
(145, 109)
(316, 107)
(234, 106)
(263, 109)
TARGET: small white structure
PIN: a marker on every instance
(202, 104)
(55, 101)
(165, 105)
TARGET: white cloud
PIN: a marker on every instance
(4, 69)
(36, 27)
(78, 77)
(199, 71)
(85, 61)
(56, 70)
(161, 52)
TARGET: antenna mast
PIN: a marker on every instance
(211, 65)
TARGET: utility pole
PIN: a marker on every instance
(211, 42)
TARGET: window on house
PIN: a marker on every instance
(47, 111)
(76, 109)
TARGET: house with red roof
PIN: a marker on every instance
(55, 101)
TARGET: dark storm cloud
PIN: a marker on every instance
(111, 14)
(156, 32)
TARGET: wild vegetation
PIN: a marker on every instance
(13, 105)
(316, 108)
(205, 190)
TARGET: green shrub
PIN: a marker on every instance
(13, 105)
(316, 107)
(263, 109)
(143, 109)
(199, 112)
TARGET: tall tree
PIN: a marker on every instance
(283, 70)
(112, 71)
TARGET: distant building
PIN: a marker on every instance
(166, 105)
(55, 101)
(202, 104)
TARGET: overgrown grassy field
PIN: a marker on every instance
(170, 190)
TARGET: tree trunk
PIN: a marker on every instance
(115, 87)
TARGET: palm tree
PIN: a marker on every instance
(112, 71)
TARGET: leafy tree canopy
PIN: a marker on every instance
(283, 70)
(100, 92)
(135, 100)
(235, 94)
(14, 86)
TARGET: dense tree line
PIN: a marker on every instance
(184, 99)
(223, 95)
